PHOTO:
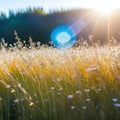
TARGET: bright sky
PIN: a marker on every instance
(5, 5)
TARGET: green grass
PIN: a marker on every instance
(50, 84)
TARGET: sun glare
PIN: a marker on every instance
(105, 11)
(104, 6)
(107, 6)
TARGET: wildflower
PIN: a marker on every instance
(117, 77)
(78, 92)
(60, 89)
(19, 85)
(58, 93)
(88, 100)
(8, 86)
(99, 89)
(91, 69)
(84, 107)
(31, 104)
(22, 99)
(52, 88)
(112, 88)
(70, 96)
(23, 73)
(58, 79)
(12, 91)
(117, 104)
(87, 90)
(114, 99)
(41, 76)
(16, 100)
(46, 100)
(72, 107)
(30, 97)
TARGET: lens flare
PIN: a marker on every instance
(63, 36)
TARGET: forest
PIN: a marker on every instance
(36, 24)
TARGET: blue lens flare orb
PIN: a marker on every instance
(63, 36)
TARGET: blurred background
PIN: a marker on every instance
(37, 19)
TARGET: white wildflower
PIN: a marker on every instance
(114, 99)
(46, 100)
(31, 104)
(58, 79)
(22, 99)
(23, 73)
(99, 89)
(60, 89)
(78, 92)
(88, 100)
(72, 107)
(87, 90)
(8, 86)
(52, 88)
(16, 100)
(70, 96)
(91, 69)
(84, 107)
(0, 99)
(117, 104)
(12, 91)
(19, 85)
(58, 93)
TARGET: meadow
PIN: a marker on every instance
(45, 83)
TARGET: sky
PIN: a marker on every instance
(6, 5)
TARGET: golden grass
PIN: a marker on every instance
(51, 84)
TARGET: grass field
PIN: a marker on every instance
(50, 84)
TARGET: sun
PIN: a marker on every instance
(104, 6)
(105, 11)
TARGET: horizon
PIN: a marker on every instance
(48, 5)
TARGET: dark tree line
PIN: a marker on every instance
(35, 23)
